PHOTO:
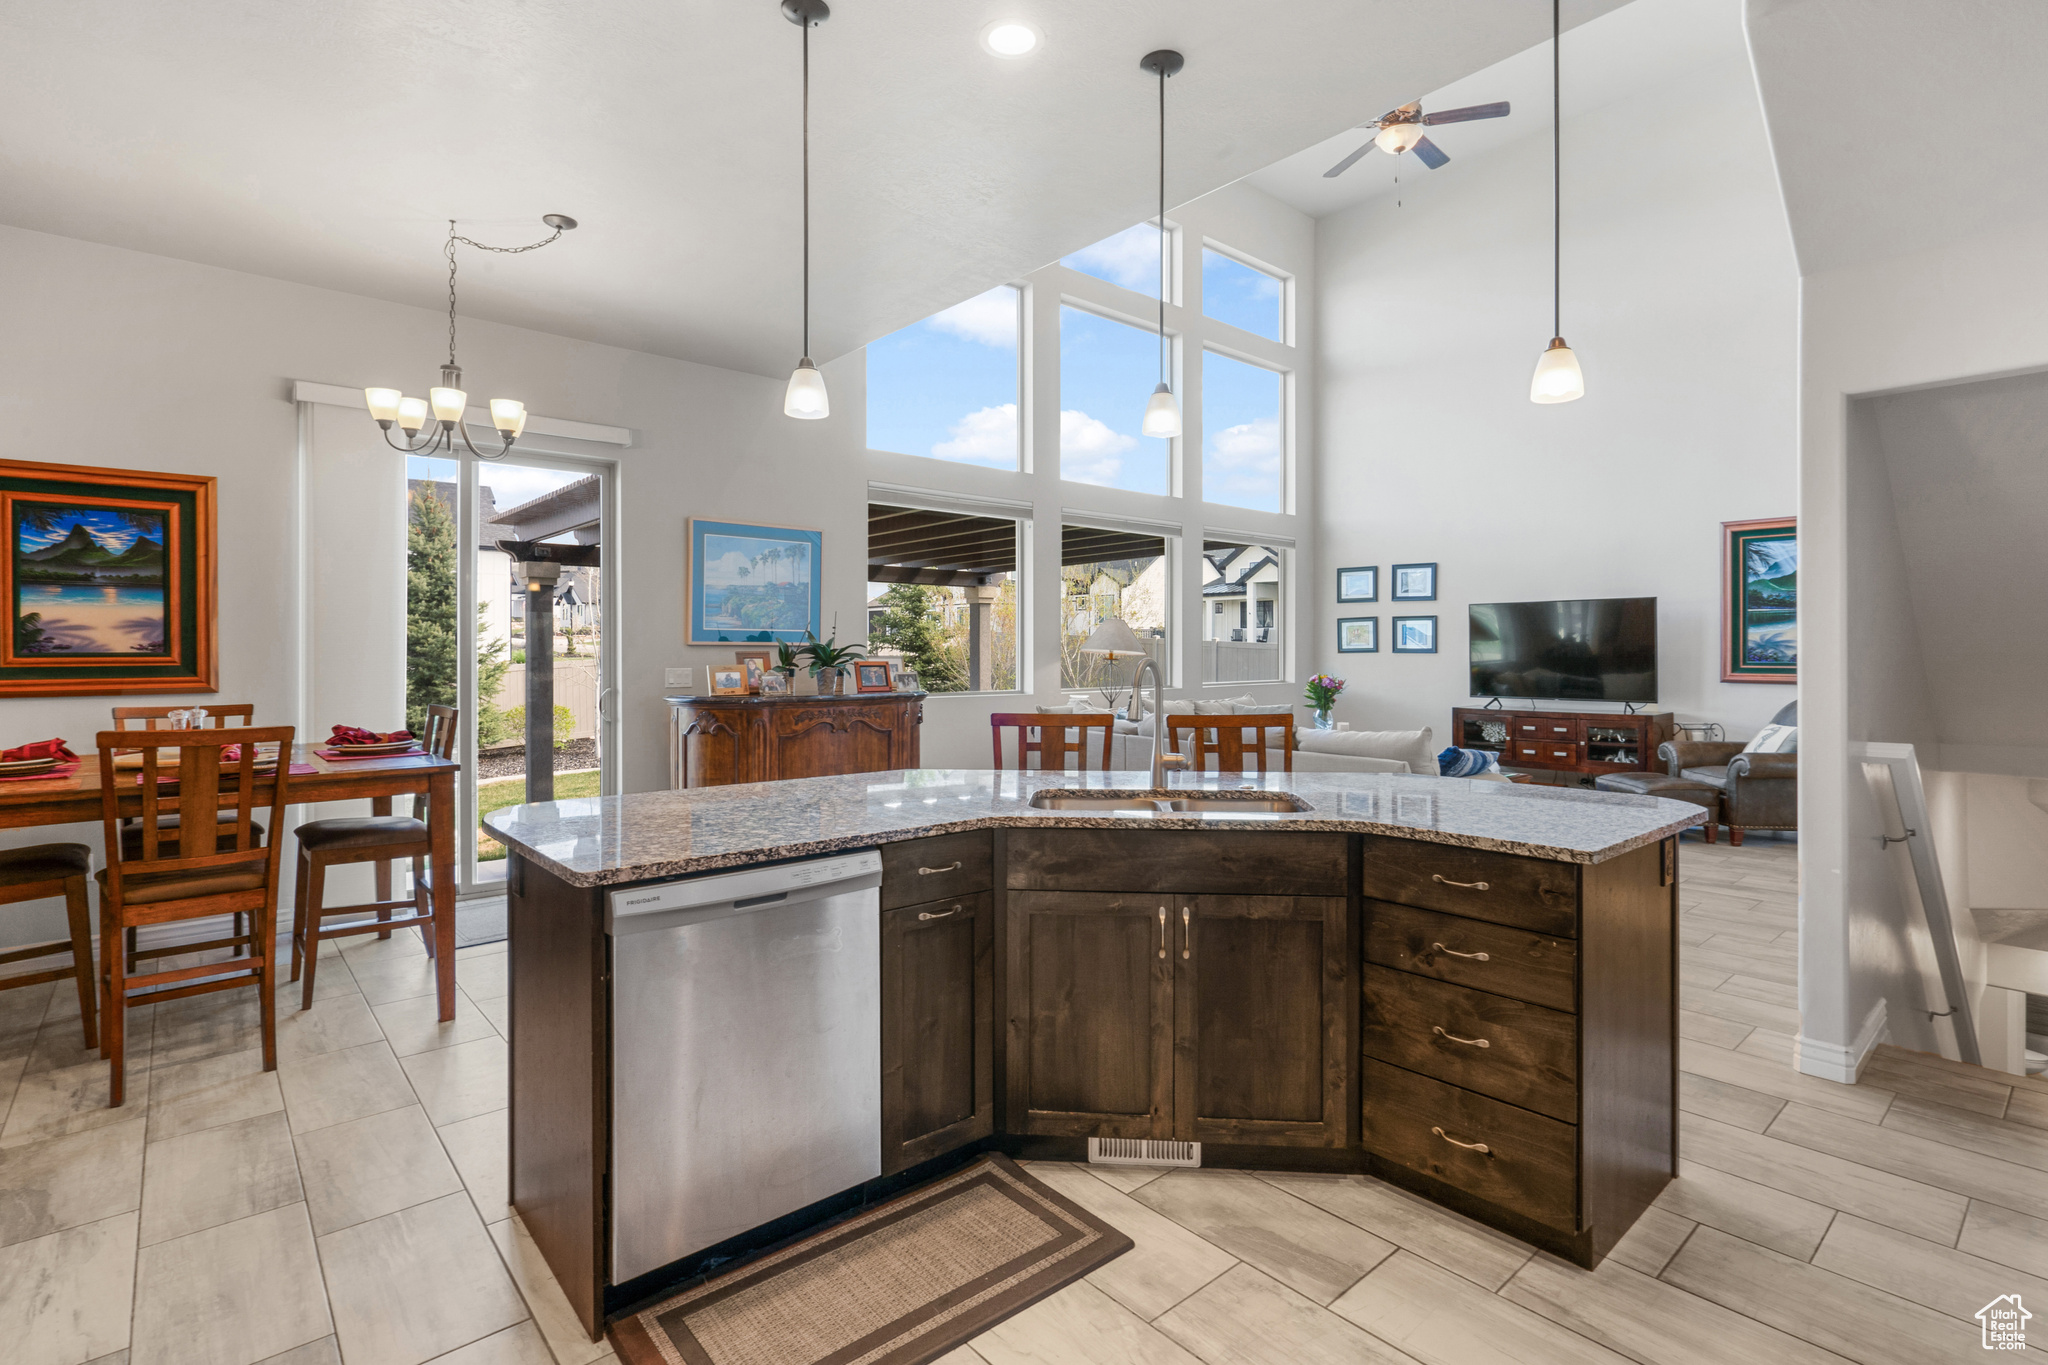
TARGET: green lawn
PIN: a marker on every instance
(511, 791)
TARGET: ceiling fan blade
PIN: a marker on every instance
(1467, 114)
(1429, 153)
(1345, 164)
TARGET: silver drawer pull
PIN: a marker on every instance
(1162, 933)
(931, 871)
(1468, 1042)
(1186, 933)
(1476, 957)
(926, 914)
(1479, 1147)
(1466, 886)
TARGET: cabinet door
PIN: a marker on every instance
(938, 1028)
(1262, 997)
(824, 740)
(1090, 1015)
(709, 751)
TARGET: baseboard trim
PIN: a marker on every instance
(1833, 1061)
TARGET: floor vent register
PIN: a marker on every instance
(1142, 1152)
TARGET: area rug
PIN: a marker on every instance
(900, 1284)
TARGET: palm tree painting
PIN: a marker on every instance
(1761, 607)
(752, 583)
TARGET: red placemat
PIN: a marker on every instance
(61, 770)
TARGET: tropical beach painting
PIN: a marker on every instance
(752, 583)
(108, 581)
(1760, 601)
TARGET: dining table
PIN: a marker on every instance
(74, 798)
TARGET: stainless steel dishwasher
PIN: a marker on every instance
(746, 1051)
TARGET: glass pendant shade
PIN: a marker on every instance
(383, 403)
(1162, 414)
(1557, 378)
(508, 414)
(412, 413)
(449, 404)
(805, 398)
(1397, 138)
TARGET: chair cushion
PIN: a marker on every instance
(1659, 784)
(364, 831)
(150, 887)
(44, 863)
(167, 837)
(1716, 777)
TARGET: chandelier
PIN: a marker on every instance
(446, 400)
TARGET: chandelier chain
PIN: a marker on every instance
(1163, 268)
(453, 238)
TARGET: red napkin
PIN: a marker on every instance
(42, 748)
(345, 735)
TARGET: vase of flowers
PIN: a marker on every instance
(1322, 696)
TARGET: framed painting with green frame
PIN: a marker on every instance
(1760, 600)
(109, 581)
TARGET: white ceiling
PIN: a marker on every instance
(1902, 124)
(1616, 55)
(327, 143)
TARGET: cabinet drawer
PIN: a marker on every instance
(1517, 1052)
(933, 869)
(1529, 1163)
(1222, 862)
(1554, 728)
(1529, 893)
(1469, 952)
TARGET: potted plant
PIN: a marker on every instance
(788, 658)
(828, 658)
(1322, 695)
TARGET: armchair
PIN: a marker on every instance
(1758, 791)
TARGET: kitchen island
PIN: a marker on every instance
(1464, 987)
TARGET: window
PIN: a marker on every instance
(1242, 588)
(1240, 433)
(947, 387)
(1242, 295)
(1108, 370)
(1106, 574)
(1130, 259)
(942, 597)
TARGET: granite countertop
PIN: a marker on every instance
(604, 841)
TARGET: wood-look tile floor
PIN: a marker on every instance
(350, 1207)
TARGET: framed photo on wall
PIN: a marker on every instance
(752, 584)
(109, 580)
(1358, 635)
(1414, 635)
(1361, 584)
(1760, 600)
(1413, 582)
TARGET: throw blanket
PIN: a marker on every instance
(345, 735)
(1455, 762)
(42, 748)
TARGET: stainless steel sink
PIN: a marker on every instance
(1169, 803)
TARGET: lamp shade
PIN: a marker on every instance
(383, 403)
(449, 404)
(1397, 138)
(412, 413)
(1557, 378)
(1113, 636)
(1162, 414)
(805, 398)
(508, 414)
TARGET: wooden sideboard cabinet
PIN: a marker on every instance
(1585, 742)
(719, 741)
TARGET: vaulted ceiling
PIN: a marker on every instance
(329, 143)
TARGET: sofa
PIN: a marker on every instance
(1758, 780)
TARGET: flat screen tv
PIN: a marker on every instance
(1594, 649)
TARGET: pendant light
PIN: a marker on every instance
(1557, 378)
(1162, 413)
(806, 398)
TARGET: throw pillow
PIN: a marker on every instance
(1774, 739)
(1224, 706)
(1455, 762)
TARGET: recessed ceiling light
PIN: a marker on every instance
(1011, 38)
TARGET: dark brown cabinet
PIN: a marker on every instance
(938, 1028)
(718, 741)
(1587, 743)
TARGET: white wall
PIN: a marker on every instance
(1680, 298)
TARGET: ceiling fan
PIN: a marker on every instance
(1401, 131)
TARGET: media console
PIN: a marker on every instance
(1587, 743)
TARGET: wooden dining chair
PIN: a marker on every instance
(1051, 744)
(379, 839)
(206, 866)
(41, 872)
(1230, 738)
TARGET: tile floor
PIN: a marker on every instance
(351, 1205)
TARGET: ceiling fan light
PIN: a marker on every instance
(1162, 414)
(1557, 378)
(383, 403)
(1397, 138)
(412, 413)
(805, 398)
